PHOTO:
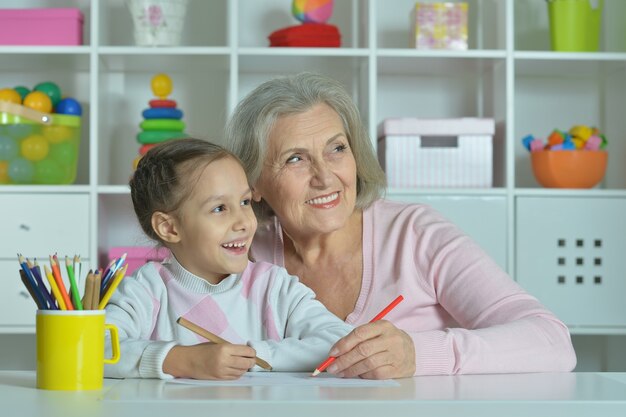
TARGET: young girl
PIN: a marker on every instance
(193, 197)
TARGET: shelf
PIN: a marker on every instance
(554, 192)
(301, 52)
(508, 73)
(45, 189)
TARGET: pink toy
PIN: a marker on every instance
(41, 27)
(593, 143)
(137, 256)
(536, 145)
(312, 11)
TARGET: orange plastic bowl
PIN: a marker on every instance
(570, 168)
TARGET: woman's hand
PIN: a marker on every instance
(376, 350)
(209, 361)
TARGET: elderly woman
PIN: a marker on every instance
(317, 189)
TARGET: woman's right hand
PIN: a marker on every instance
(209, 361)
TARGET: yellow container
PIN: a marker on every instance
(36, 153)
(575, 25)
(70, 349)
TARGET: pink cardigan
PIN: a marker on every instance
(463, 312)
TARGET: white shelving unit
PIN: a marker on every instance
(509, 74)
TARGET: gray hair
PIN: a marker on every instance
(248, 129)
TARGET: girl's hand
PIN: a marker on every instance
(376, 350)
(209, 361)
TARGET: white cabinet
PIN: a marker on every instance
(39, 224)
(508, 73)
(573, 262)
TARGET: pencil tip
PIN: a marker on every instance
(315, 373)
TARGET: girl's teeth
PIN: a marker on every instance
(234, 245)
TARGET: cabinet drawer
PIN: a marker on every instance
(40, 225)
(570, 255)
(17, 307)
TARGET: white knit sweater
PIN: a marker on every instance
(264, 307)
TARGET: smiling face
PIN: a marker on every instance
(309, 177)
(214, 227)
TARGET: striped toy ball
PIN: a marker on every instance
(312, 11)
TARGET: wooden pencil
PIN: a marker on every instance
(97, 279)
(88, 297)
(215, 339)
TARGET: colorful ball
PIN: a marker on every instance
(57, 133)
(161, 85)
(22, 91)
(4, 172)
(64, 153)
(19, 131)
(49, 171)
(38, 100)
(51, 90)
(69, 106)
(10, 95)
(34, 148)
(21, 171)
(312, 11)
(8, 148)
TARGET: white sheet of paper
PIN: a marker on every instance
(254, 379)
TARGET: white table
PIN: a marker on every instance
(550, 394)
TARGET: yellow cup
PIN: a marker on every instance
(70, 349)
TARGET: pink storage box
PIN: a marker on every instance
(419, 153)
(137, 256)
(41, 27)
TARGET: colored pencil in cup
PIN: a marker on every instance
(54, 287)
(215, 339)
(56, 273)
(379, 316)
(117, 278)
(37, 272)
(97, 279)
(32, 284)
(29, 287)
(88, 293)
(73, 286)
(77, 268)
(108, 274)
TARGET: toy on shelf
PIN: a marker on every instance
(314, 31)
(39, 139)
(162, 120)
(572, 159)
(577, 137)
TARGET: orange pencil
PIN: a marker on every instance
(379, 316)
(54, 287)
(56, 273)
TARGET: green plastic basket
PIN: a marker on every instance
(36, 153)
